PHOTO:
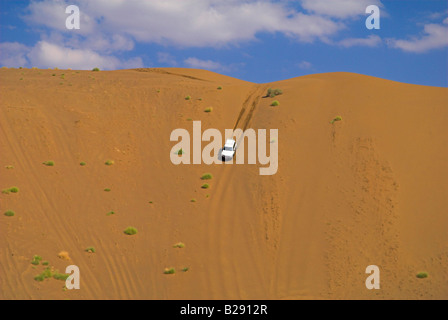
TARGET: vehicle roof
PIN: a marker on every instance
(230, 142)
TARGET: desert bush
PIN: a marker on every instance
(273, 92)
(187, 98)
(130, 231)
(179, 245)
(422, 275)
(9, 213)
(48, 163)
(169, 271)
(109, 162)
(96, 69)
(206, 176)
(275, 103)
(90, 250)
(82, 163)
(205, 186)
(210, 109)
(107, 190)
(219, 88)
(338, 118)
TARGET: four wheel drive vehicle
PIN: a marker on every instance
(229, 149)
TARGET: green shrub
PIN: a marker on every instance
(130, 231)
(110, 213)
(206, 176)
(210, 109)
(185, 269)
(60, 276)
(169, 271)
(107, 190)
(219, 88)
(45, 263)
(180, 152)
(275, 103)
(9, 213)
(96, 69)
(193, 200)
(9, 167)
(90, 250)
(205, 186)
(36, 260)
(82, 163)
(187, 98)
(422, 275)
(273, 92)
(10, 190)
(48, 163)
(109, 162)
(179, 245)
(338, 118)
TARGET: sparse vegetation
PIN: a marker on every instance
(96, 69)
(209, 109)
(109, 162)
(205, 186)
(179, 245)
(422, 275)
(9, 167)
(338, 118)
(180, 152)
(36, 260)
(187, 97)
(185, 269)
(110, 213)
(169, 271)
(219, 88)
(206, 176)
(9, 213)
(48, 163)
(107, 190)
(273, 92)
(90, 250)
(45, 263)
(130, 231)
(193, 200)
(10, 190)
(82, 163)
(151, 202)
(275, 103)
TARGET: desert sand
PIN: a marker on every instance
(368, 190)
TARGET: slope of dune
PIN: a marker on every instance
(368, 190)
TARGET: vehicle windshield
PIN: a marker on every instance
(228, 148)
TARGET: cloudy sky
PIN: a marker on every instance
(254, 40)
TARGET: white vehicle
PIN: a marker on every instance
(229, 149)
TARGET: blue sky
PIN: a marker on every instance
(255, 40)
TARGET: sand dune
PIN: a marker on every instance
(368, 190)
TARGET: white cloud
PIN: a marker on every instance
(13, 54)
(167, 58)
(50, 55)
(435, 37)
(339, 8)
(204, 64)
(304, 65)
(187, 23)
(370, 41)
